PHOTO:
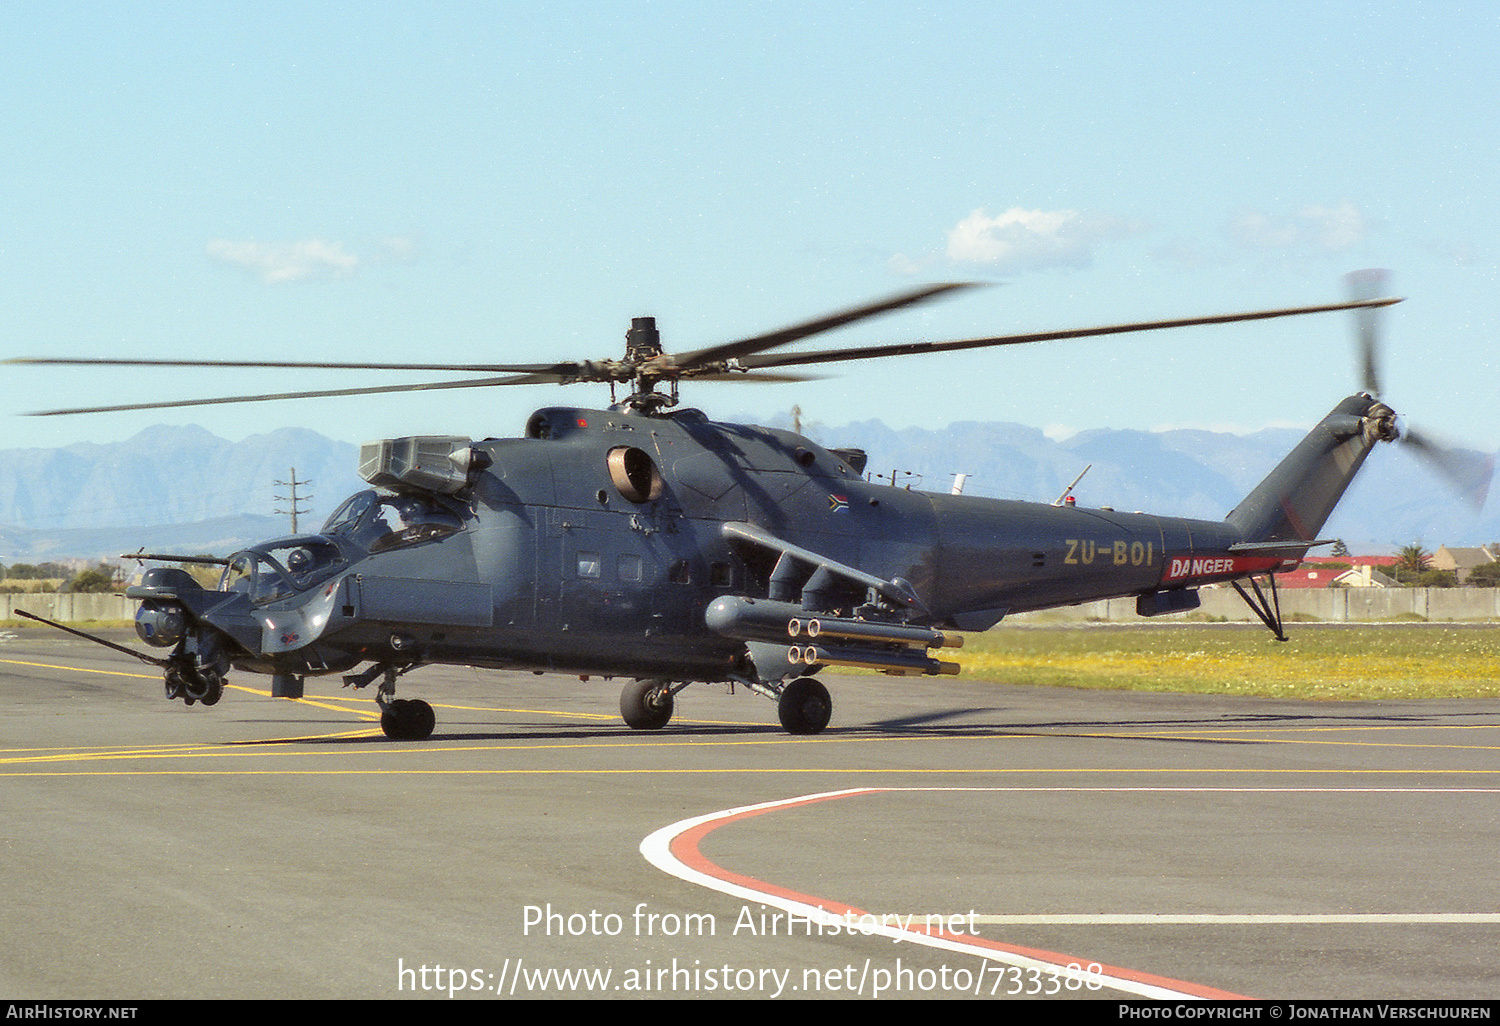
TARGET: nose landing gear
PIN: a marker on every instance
(181, 679)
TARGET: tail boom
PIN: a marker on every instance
(1295, 500)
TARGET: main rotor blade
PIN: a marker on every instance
(473, 368)
(519, 379)
(787, 335)
(909, 348)
(756, 376)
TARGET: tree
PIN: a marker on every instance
(1339, 548)
(1412, 561)
(1413, 557)
(1485, 575)
(96, 579)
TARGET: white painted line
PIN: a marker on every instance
(674, 850)
(1233, 919)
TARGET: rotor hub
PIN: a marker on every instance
(1380, 424)
(642, 341)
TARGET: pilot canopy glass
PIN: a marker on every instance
(281, 569)
(376, 522)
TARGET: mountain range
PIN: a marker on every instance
(180, 489)
(186, 490)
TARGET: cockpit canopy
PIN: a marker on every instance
(365, 524)
(280, 569)
(376, 522)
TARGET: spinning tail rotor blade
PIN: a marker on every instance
(1469, 473)
(1365, 285)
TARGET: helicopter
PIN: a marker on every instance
(649, 543)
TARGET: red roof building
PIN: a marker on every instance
(1321, 572)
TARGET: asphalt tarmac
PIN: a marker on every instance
(943, 838)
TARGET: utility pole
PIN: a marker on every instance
(292, 499)
(895, 476)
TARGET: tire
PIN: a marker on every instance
(805, 707)
(646, 704)
(408, 720)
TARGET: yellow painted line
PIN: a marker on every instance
(320, 703)
(1251, 739)
(79, 669)
(279, 747)
(746, 770)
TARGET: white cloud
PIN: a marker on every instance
(1311, 229)
(1022, 239)
(402, 249)
(279, 263)
(901, 264)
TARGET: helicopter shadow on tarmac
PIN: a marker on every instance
(972, 722)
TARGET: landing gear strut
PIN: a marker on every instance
(401, 719)
(1269, 610)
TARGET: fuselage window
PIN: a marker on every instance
(630, 569)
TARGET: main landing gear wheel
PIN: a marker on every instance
(408, 719)
(646, 704)
(805, 706)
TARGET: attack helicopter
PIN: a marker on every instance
(646, 542)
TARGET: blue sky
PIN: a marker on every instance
(513, 182)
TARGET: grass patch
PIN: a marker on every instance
(1358, 662)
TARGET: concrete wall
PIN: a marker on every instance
(1338, 605)
(1335, 604)
(68, 608)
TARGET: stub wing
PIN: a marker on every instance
(814, 580)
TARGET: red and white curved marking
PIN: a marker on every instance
(674, 850)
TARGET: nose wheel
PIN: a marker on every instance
(192, 683)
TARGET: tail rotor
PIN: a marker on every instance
(1469, 473)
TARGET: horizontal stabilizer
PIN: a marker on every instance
(1291, 550)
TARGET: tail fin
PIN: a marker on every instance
(1296, 498)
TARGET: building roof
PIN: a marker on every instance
(1463, 558)
(1327, 573)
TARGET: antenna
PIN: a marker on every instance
(1069, 490)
